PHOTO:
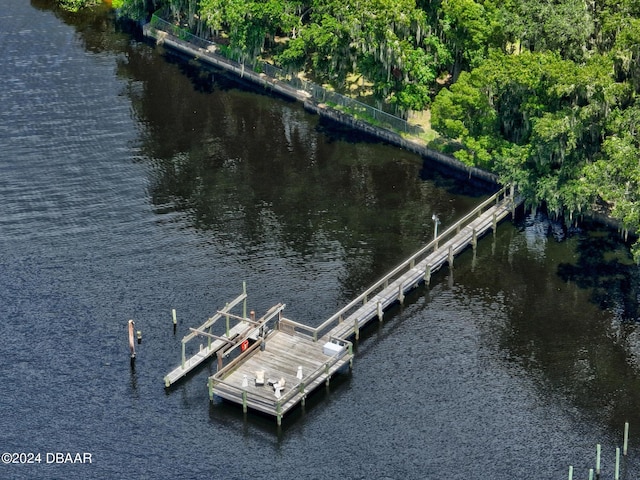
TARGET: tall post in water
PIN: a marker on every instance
(570, 472)
(175, 320)
(617, 471)
(625, 443)
(244, 302)
(132, 345)
(598, 448)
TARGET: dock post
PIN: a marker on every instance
(450, 256)
(210, 382)
(570, 472)
(132, 345)
(175, 320)
(598, 448)
(474, 239)
(244, 402)
(427, 274)
(495, 223)
(401, 294)
(617, 472)
(380, 314)
(278, 413)
(625, 443)
(244, 302)
(591, 474)
(226, 308)
(219, 354)
(356, 328)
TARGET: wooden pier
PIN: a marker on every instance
(274, 363)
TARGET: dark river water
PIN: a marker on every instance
(133, 182)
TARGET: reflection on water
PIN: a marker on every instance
(258, 175)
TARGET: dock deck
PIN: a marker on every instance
(290, 367)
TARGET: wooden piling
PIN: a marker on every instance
(244, 303)
(570, 472)
(427, 274)
(380, 313)
(227, 318)
(132, 345)
(616, 475)
(598, 449)
(625, 443)
(175, 319)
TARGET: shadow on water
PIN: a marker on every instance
(606, 267)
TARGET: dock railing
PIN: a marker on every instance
(504, 194)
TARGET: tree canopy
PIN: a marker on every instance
(542, 92)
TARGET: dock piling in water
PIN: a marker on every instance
(175, 320)
(132, 345)
(625, 442)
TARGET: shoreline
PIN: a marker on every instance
(475, 176)
(447, 164)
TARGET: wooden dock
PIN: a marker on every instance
(231, 336)
(281, 361)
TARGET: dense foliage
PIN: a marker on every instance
(555, 107)
(542, 92)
